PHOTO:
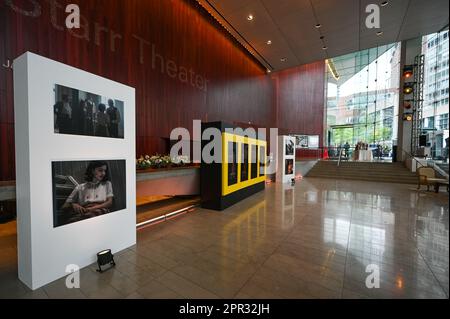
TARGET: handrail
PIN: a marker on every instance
(439, 170)
(340, 155)
(409, 155)
(429, 163)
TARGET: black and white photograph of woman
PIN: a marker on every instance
(83, 190)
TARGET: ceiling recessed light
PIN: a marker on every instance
(379, 33)
(283, 59)
(269, 42)
(269, 71)
(322, 37)
(324, 47)
(384, 3)
(250, 17)
(318, 25)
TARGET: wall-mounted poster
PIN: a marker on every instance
(80, 113)
(244, 162)
(262, 161)
(289, 147)
(289, 167)
(87, 189)
(254, 161)
(313, 141)
(232, 163)
(301, 141)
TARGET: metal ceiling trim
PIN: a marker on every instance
(234, 33)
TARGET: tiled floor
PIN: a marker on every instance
(311, 241)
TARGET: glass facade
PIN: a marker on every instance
(436, 93)
(362, 97)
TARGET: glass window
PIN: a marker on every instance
(436, 92)
(443, 121)
(362, 96)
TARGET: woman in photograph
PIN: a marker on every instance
(101, 121)
(95, 196)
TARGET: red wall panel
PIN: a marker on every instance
(144, 33)
(299, 99)
(126, 41)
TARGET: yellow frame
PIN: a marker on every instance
(227, 138)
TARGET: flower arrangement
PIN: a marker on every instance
(160, 161)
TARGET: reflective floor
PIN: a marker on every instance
(314, 240)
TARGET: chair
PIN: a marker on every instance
(427, 176)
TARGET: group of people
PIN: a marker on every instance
(85, 118)
(361, 146)
(345, 150)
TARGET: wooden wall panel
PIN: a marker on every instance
(178, 30)
(238, 89)
(299, 99)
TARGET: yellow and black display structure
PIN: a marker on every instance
(241, 172)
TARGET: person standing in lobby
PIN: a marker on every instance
(347, 149)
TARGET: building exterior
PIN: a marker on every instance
(436, 91)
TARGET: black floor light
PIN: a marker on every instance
(105, 257)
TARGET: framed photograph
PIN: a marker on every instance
(81, 113)
(289, 167)
(244, 162)
(254, 163)
(262, 161)
(301, 141)
(232, 163)
(289, 149)
(313, 141)
(87, 189)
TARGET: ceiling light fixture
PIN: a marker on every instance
(283, 59)
(324, 47)
(332, 69)
(250, 17)
(269, 42)
(384, 3)
(379, 33)
(318, 25)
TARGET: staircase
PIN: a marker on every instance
(364, 171)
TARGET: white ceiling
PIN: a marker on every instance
(290, 25)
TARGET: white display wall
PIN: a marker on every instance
(285, 159)
(44, 251)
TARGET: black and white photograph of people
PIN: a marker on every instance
(289, 147)
(80, 113)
